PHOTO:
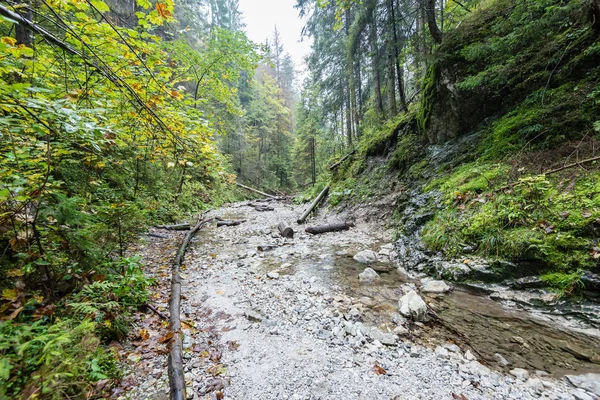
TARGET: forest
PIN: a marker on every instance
(121, 115)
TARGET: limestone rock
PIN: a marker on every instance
(366, 257)
(435, 287)
(412, 305)
(368, 275)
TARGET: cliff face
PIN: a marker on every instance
(512, 56)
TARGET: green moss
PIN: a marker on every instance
(564, 284)
(428, 100)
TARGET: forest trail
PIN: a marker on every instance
(291, 321)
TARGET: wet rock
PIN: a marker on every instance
(528, 282)
(589, 382)
(520, 373)
(368, 276)
(435, 287)
(366, 257)
(412, 305)
(382, 267)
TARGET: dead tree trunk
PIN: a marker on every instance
(337, 164)
(334, 227)
(256, 191)
(230, 223)
(179, 227)
(314, 204)
(285, 230)
(176, 377)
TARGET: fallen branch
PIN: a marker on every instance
(230, 223)
(179, 227)
(176, 377)
(337, 164)
(553, 171)
(256, 191)
(334, 227)
(157, 235)
(314, 204)
(263, 208)
(285, 230)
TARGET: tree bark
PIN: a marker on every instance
(399, 69)
(337, 164)
(179, 227)
(372, 4)
(285, 230)
(256, 191)
(334, 227)
(230, 223)
(314, 204)
(595, 14)
(436, 34)
(176, 377)
(23, 34)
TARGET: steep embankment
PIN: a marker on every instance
(477, 168)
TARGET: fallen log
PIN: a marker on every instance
(157, 235)
(179, 227)
(285, 230)
(255, 191)
(337, 164)
(176, 377)
(334, 227)
(264, 208)
(314, 204)
(230, 223)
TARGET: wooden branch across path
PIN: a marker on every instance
(256, 191)
(337, 164)
(314, 204)
(333, 227)
(176, 378)
(179, 227)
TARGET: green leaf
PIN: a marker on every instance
(597, 126)
(100, 5)
(145, 4)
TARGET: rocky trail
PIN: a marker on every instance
(271, 318)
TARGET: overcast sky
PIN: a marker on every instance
(261, 16)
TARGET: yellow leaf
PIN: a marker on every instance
(10, 294)
(8, 40)
(13, 273)
(14, 314)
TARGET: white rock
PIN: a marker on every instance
(469, 356)
(368, 275)
(412, 305)
(400, 330)
(474, 368)
(388, 339)
(535, 383)
(442, 352)
(435, 287)
(520, 373)
(452, 347)
(273, 275)
(589, 382)
(582, 395)
(366, 257)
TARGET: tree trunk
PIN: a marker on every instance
(314, 204)
(285, 230)
(23, 34)
(436, 34)
(372, 4)
(334, 227)
(595, 14)
(391, 84)
(399, 69)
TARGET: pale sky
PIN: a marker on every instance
(261, 16)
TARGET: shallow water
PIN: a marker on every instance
(472, 320)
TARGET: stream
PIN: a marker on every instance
(290, 319)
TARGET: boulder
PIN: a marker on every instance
(435, 287)
(366, 257)
(589, 382)
(520, 373)
(412, 305)
(368, 275)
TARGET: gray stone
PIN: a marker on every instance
(535, 383)
(412, 305)
(366, 257)
(253, 316)
(589, 382)
(469, 356)
(442, 352)
(368, 276)
(452, 347)
(520, 373)
(582, 395)
(389, 339)
(435, 287)
(474, 368)
(501, 360)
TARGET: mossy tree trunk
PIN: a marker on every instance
(595, 14)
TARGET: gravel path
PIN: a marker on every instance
(282, 324)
